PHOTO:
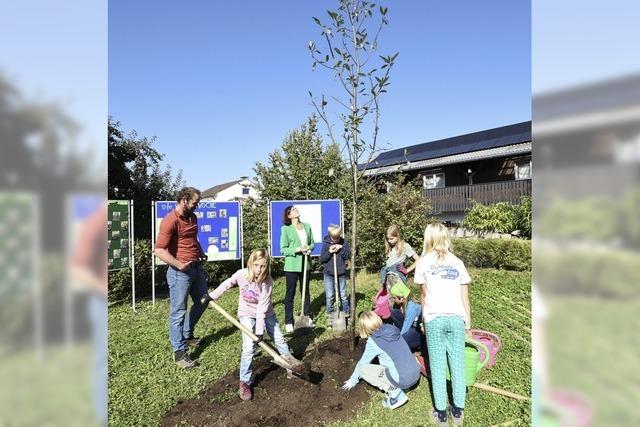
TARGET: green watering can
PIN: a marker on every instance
(472, 361)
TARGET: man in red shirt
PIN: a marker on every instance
(177, 245)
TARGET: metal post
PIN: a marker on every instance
(153, 256)
(38, 312)
(68, 297)
(241, 237)
(132, 260)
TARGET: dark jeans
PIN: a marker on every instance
(291, 280)
(413, 337)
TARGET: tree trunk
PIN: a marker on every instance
(354, 246)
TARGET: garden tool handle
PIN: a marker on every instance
(266, 347)
(335, 280)
(304, 282)
(484, 348)
(500, 391)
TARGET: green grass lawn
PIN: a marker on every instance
(593, 345)
(144, 382)
(53, 391)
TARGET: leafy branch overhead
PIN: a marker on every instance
(350, 46)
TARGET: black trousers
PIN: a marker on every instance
(291, 281)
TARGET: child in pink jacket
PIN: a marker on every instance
(255, 311)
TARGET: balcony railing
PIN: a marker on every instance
(458, 198)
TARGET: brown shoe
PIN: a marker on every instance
(193, 341)
(244, 391)
(184, 361)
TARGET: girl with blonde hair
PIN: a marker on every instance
(397, 251)
(447, 315)
(255, 311)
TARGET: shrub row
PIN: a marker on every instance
(505, 254)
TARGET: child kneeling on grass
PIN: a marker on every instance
(398, 368)
(255, 310)
(447, 316)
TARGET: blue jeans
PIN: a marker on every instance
(329, 292)
(182, 284)
(248, 346)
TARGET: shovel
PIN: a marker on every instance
(338, 321)
(297, 368)
(303, 323)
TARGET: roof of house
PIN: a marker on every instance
(505, 140)
(211, 192)
(604, 95)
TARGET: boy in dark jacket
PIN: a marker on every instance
(333, 243)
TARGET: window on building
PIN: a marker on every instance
(245, 191)
(523, 169)
(433, 180)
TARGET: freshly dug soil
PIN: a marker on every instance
(278, 401)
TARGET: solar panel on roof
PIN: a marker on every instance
(491, 138)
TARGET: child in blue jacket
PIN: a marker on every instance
(406, 315)
(334, 243)
(398, 369)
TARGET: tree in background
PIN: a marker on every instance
(303, 168)
(135, 173)
(351, 42)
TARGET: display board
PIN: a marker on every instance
(18, 236)
(219, 228)
(319, 214)
(118, 232)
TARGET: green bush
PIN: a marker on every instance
(505, 254)
(589, 219)
(523, 216)
(404, 206)
(612, 274)
(497, 218)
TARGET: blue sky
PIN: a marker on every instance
(222, 83)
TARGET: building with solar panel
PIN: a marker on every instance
(488, 166)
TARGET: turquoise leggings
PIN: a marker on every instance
(445, 338)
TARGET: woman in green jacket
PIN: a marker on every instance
(296, 242)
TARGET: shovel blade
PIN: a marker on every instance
(300, 369)
(302, 322)
(338, 322)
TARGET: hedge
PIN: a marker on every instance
(504, 254)
(601, 273)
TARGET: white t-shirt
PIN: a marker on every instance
(443, 286)
(302, 234)
(393, 258)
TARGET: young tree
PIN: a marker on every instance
(350, 37)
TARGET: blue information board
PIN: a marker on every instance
(319, 214)
(219, 227)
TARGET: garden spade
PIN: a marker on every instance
(302, 324)
(295, 366)
(338, 320)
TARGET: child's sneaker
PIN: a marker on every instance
(244, 391)
(457, 415)
(439, 417)
(396, 401)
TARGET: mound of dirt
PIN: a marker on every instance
(278, 401)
